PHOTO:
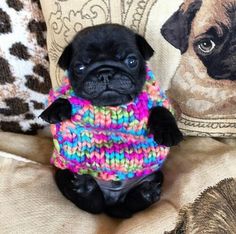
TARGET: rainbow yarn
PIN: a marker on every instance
(110, 143)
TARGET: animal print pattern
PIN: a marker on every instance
(24, 76)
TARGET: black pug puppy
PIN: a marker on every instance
(107, 66)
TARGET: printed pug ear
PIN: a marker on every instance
(145, 49)
(65, 58)
(177, 28)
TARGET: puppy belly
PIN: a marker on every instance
(115, 191)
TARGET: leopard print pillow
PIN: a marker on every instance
(24, 76)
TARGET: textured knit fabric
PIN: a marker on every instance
(110, 143)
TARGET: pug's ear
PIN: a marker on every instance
(177, 28)
(145, 49)
(65, 59)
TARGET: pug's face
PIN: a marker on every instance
(106, 64)
(204, 32)
(208, 28)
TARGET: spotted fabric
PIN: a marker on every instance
(110, 143)
(24, 76)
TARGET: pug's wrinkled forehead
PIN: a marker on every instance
(105, 40)
(218, 16)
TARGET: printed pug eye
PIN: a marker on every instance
(206, 46)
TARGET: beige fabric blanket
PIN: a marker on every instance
(31, 203)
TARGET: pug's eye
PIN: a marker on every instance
(206, 46)
(80, 68)
(131, 61)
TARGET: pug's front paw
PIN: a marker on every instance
(168, 135)
(57, 112)
(163, 126)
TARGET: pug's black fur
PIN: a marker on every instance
(106, 65)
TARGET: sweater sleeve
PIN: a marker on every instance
(157, 96)
(59, 92)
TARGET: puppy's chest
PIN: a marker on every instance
(115, 191)
(131, 118)
(109, 143)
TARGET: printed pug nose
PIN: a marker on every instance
(105, 74)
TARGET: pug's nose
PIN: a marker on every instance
(105, 75)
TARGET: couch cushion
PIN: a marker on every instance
(31, 201)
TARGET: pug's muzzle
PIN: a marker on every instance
(110, 81)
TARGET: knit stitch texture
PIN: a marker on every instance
(110, 143)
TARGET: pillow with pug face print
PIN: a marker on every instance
(203, 88)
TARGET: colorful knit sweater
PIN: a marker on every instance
(110, 143)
